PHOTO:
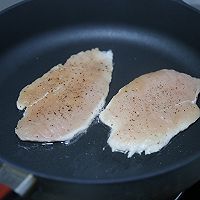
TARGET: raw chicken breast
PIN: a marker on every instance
(145, 114)
(65, 100)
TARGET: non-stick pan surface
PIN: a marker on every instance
(144, 36)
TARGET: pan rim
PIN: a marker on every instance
(104, 181)
(161, 172)
(22, 2)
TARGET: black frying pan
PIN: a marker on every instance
(144, 36)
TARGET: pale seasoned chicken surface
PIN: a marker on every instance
(65, 100)
(145, 114)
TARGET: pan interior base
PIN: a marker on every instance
(136, 51)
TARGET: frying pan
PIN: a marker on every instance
(144, 36)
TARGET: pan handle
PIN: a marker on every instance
(15, 184)
(7, 193)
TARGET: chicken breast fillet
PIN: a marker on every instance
(145, 114)
(65, 100)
